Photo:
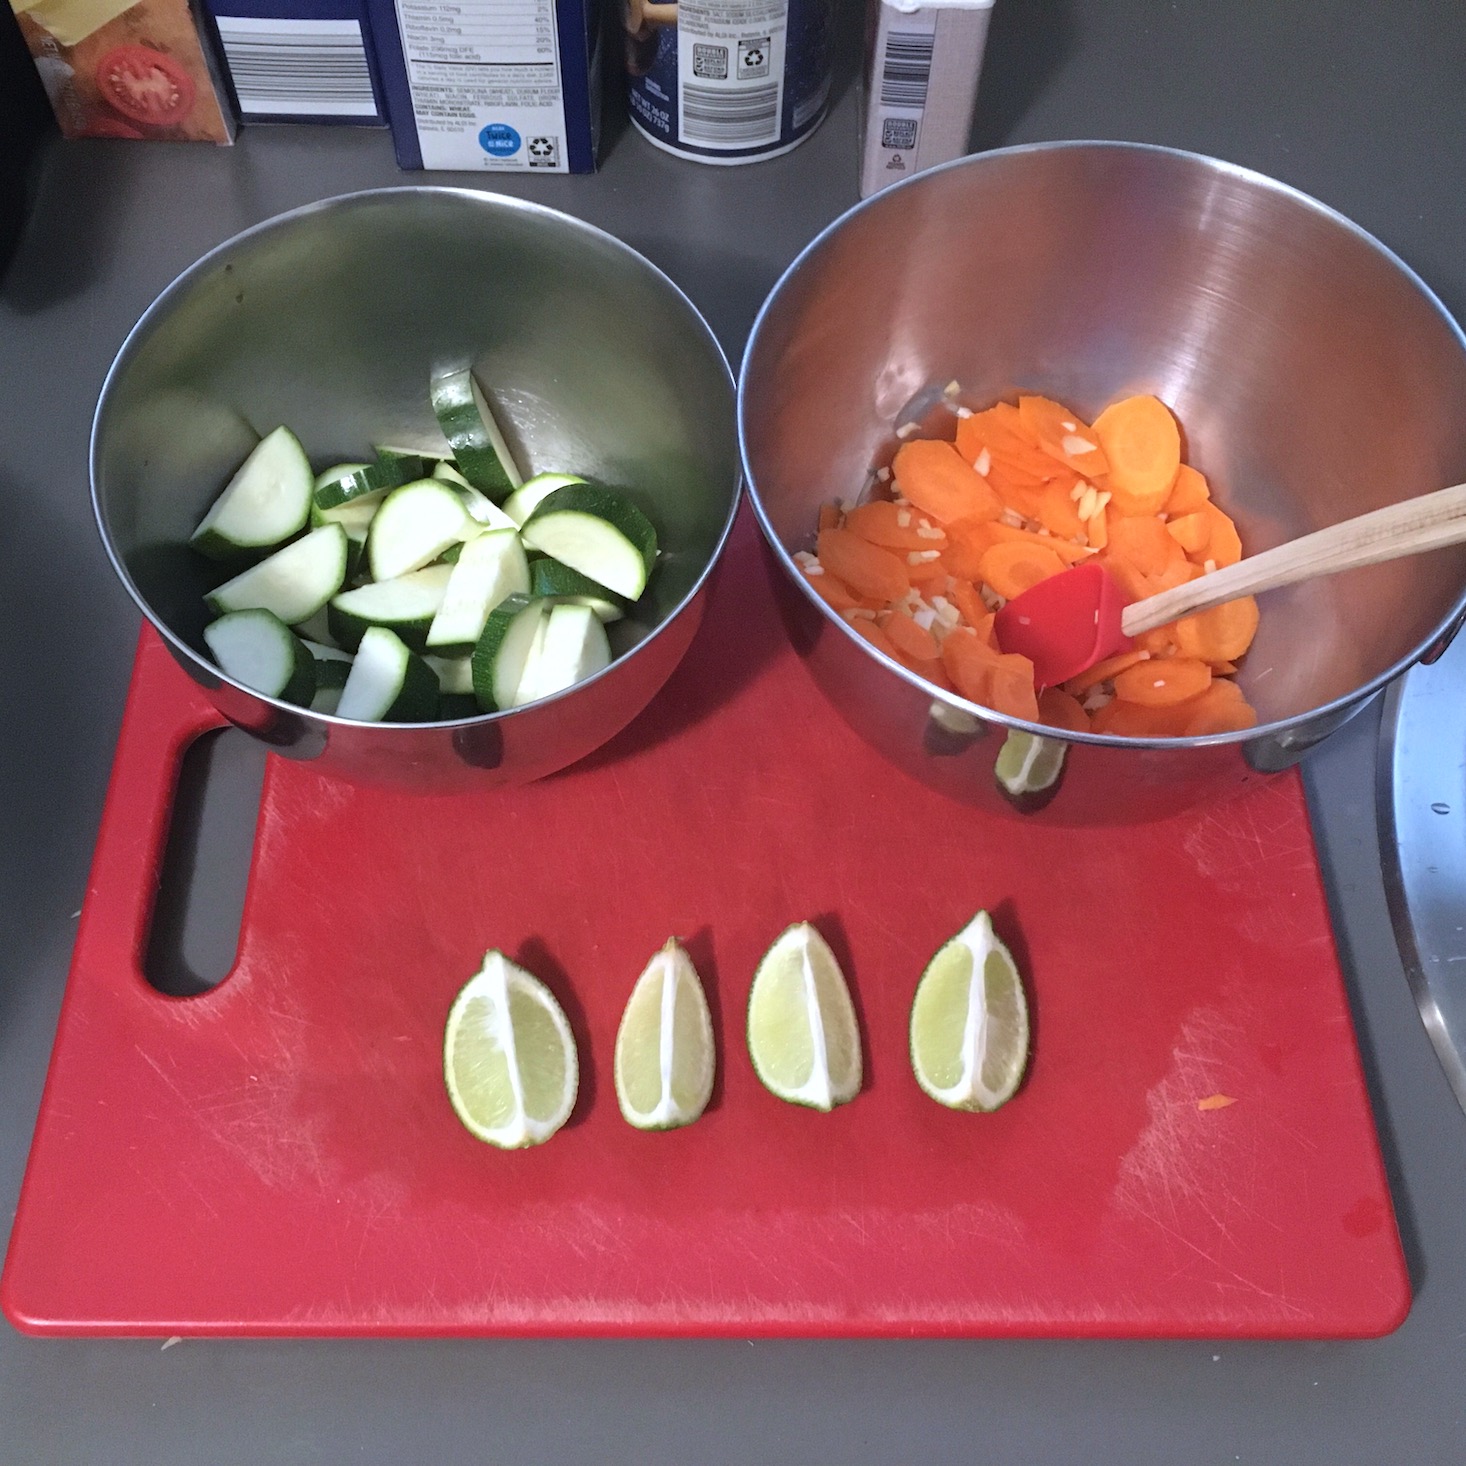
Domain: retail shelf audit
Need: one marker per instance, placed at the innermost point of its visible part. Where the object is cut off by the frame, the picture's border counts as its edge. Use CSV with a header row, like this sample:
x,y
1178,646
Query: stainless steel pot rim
x,y
1443,630
235,242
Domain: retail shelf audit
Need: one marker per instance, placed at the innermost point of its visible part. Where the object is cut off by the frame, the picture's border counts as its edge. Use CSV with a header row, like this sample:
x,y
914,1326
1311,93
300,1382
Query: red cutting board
x,y
278,1156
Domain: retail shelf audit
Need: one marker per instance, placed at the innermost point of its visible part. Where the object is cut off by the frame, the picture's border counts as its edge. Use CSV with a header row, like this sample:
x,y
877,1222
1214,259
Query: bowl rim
x,y
1343,706
478,198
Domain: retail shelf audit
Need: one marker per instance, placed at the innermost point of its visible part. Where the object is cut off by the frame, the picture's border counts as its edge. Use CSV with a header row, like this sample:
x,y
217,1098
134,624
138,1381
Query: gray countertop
x,y
1362,106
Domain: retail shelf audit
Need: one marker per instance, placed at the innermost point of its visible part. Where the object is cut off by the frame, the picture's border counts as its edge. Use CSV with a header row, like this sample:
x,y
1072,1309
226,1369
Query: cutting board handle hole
x,y
202,877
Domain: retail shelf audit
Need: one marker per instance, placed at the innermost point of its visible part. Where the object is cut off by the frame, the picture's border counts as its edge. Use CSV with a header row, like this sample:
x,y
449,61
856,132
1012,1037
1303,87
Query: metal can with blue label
x,y
728,81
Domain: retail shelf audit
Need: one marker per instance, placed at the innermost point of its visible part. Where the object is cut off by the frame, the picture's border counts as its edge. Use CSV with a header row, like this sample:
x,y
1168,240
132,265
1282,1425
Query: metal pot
x,y
331,319
1314,374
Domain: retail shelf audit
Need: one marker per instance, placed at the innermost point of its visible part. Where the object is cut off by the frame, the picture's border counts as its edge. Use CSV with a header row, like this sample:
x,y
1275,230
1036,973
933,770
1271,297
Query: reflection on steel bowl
x,y
1316,375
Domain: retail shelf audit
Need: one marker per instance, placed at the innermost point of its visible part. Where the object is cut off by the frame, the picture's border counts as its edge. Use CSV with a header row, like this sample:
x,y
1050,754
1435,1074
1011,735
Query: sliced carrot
x,y
1097,528
1224,545
1004,435
1191,531
1010,688
1221,634
875,636
1143,445
866,568
829,516
1222,708
969,663
1062,435
894,528
1133,582
1145,543
970,441
985,632
911,639
935,477
1223,669
1059,710
1103,671
1010,569
1056,509
1137,720
1163,682
964,595
832,590
924,574
1188,493
1160,642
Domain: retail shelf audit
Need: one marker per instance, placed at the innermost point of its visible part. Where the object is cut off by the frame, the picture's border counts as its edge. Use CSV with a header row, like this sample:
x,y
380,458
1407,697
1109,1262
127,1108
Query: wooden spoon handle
x,y
1428,522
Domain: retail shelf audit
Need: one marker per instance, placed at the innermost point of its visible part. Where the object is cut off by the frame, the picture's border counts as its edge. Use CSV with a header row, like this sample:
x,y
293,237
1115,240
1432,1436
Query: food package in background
x,y
111,69
491,86
921,69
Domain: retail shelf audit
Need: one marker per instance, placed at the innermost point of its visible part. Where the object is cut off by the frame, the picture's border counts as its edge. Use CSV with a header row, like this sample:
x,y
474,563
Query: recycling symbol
x,y
753,57
541,147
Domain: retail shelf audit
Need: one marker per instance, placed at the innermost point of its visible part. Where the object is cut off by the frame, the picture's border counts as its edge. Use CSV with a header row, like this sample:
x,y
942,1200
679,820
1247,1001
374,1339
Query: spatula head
x,y
1065,624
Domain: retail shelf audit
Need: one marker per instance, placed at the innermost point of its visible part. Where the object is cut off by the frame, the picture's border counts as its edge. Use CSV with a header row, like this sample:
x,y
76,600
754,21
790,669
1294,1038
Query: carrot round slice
x,y
1189,493
894,528
969,662
1221,634
866,568
1010,569
910,638
1010,688
1160,683
1222,708
1063,434
1103,671
1145,543
832,590
875,636
969,603
1059,710
935,477
1139,720
1191,531
1143,446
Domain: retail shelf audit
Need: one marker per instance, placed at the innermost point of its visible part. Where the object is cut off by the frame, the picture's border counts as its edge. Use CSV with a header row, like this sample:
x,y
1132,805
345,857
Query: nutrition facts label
x,y
485,82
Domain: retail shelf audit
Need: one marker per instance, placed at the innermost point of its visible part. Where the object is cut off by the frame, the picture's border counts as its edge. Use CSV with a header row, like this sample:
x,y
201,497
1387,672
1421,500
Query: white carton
x,y
921,69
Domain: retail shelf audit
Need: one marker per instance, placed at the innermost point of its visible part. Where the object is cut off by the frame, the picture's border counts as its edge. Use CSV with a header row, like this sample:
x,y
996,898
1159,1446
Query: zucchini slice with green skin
x,y
257,648
332,670
345,482
557,582
572,648
490,568
597,532
533,491
406,605
294,582
388,683
414,525
481,509
468,423
502,651
266,502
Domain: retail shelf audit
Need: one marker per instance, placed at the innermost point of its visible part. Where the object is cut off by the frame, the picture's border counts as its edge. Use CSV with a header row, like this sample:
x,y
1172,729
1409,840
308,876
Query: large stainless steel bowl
x,y
331,319
1315,376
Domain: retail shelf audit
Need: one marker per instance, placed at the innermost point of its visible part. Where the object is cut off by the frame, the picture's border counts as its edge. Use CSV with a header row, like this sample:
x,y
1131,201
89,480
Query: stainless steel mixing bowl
x,y
331,319
1315,377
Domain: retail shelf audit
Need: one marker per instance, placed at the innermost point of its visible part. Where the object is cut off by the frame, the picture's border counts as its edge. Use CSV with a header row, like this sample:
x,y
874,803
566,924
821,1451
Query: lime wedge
x,y
509,1057
1028,763
969,1022
664,1046
803,1036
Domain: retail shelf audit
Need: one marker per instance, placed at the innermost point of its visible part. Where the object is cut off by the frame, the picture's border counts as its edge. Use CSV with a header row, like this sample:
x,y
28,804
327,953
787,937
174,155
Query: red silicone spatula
x,y
1065,624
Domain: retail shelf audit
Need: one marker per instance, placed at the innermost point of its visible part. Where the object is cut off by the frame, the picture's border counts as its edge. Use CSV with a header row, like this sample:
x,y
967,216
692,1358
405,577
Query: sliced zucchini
x,y
468,423
348,481
491,567
503,649
572,648
482,510
257,648
388,683
316,630
598,532
406,605
415,524
533,491
266,502
454,674
332,670
294,582
559,582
